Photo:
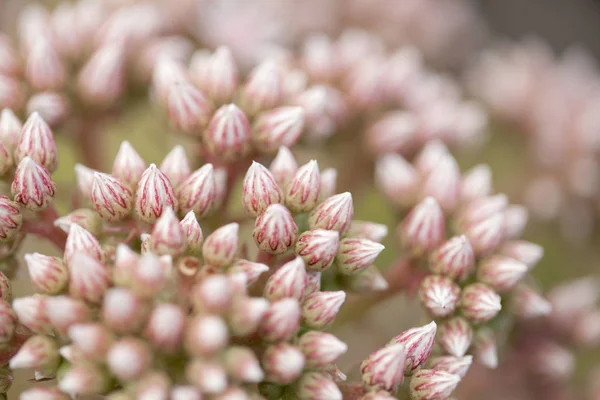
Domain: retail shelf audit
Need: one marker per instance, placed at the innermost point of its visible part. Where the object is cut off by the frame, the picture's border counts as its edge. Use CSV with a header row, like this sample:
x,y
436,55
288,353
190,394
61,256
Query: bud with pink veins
x,y
11,219
129,358
259,190
423,229
220,247
515,220
527,303
455,336
111,199
32,313
188,110
228,134
218,75
168,236
205,335
320,348
242,365
397,179
176,166
49,275
53,107
453,365
283,363
318,248
154,193
476,183
212,295
418,344
44,69
39,352
128,166
149,276
8,323
101,81
320,308
122,311
80,240
443,183
264,88
439,295
302,191
368,230
65,311
281,321
479,303
275,230
246,314
384,369
486,235
501,273
92,339
313,282
37,142
480,209
334,214
44,393
88,278
284,166
252,270
429,384
454,258
198,192
166,73
281,126
355,255
288,281
317,386
10,129
526,252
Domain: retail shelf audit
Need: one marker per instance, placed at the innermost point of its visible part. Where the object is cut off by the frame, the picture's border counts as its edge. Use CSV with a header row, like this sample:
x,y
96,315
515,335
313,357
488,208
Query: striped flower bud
x,y
355,255
313,282
84,217
320,308
368,230
208,376
334,214
49,275
188,110
252,270
150,275
278,127
32,313
485,236
281,320
527,303
241,364
44,69
370,280
39,352
85,379
205,335
92,339
53,107
168,236
439,295
128,166
321,349
482,209
455,336
476,183
212,295
154,193
32,186
454,258
37,142
424,227
284,166
429,384
88,278
81,241
264,88
288,281
318,248
129,358
418,344
228,134
10,129
101,81
259,190
112,199
246,314
192,233
8,322
283,363
176,166
317,386
479,303
275,230
220,247
453,365
165,327
218,75
65,311
198,191
11,219
526,252
429,157
384,369
501,273
302,191
443,183
122,311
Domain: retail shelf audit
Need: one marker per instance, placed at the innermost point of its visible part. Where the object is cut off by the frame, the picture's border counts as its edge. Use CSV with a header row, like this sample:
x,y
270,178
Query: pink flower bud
x,y
92,339
287,281
85,178
485,236
279,127
153,384
275,230
515,220
423,229
455,336
242,365
481,209
501,273
212,295
302,191
37,142
81,241
205,335
10,129
476,183
165,327
384,369
453,365
11,219
320,308
128,166
48,274
85,379
259,190
185,393
321,349
368,230
168,236
101,81
429,157
251,269
526,252
527,303
150,275
439,295
318,248
123,311
394,132
246,314
64,311
154,193
8,322
112,199
198,192
284,166
218,75
479,303
228,134
319,58
313,282
32,186
45,70
209,377
443,183
484,348
334,214
84,217
264,88
283,363
281,320
429,384
88,278
39,352
454,258
220,247
129,358
397,179
355,255
167,72
188,110
53,107
418,344
31,312
370,280
317,386
176,166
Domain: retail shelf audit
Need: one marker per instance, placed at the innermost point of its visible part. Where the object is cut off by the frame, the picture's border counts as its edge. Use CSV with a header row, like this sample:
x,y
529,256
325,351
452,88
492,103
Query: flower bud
x,y
394,132
476,183
368,230
85,379
88,278
515,220
11,219
439,295
246,314
484,348
64,311
501,273
320,308
84,177
283,363
209,377
128,166
454,258
370,280
84,217
263,89
45,70
302,191
485,236
318,248
321,349
259,190
479,303
275,230
168,236
453,365
49,275
181,392
112,199
526,252
242,365
317,386
443,183
8,322
527,303
218,75
81,241
205,335
397,179
281,320
165,327
123,311
284,166
212,295
384,369
188,110
53,107
32,186
430,156
423,229
251,269
418,344
129,358
39,352
192,233
228,134
355,255
334,214
154,193
278,127
31,312
10,129
198,192
92,339
429,384
220,247
176,166
101,81
288,281
150,275
455,336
